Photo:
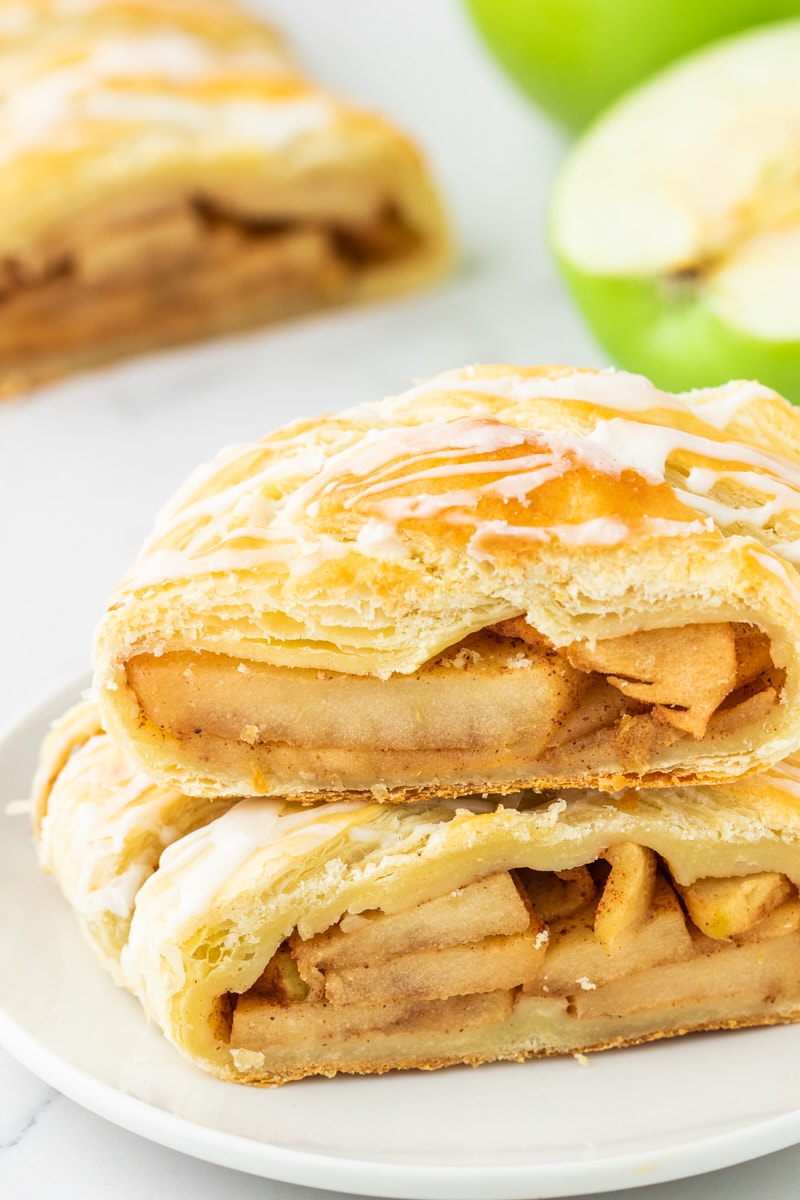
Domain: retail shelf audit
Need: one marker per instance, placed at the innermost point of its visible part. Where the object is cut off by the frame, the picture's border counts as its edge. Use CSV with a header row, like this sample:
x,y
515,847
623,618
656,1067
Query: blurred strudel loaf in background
x,y
168,174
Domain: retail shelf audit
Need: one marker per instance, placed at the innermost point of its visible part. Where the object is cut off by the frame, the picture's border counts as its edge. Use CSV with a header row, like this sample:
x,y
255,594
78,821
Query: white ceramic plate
x,y
549,1128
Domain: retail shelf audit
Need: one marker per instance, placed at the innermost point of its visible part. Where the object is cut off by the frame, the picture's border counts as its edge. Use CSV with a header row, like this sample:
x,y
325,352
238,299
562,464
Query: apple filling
x,y
605,953
182,270
501,708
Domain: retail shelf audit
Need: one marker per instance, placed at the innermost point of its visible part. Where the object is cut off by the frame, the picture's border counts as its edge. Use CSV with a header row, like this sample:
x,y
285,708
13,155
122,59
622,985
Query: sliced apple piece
x,y
490,906
723,908
280,982
576,961
746,710
677,218
753,653
754,973
464,697
782,920
558,894
627,896
317,1027
685,672
601,709
486,966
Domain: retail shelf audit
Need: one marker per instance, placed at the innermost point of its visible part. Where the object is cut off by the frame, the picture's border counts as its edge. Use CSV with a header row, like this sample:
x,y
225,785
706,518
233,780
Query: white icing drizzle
x,y
464,444
274,516
778,568
197,531
107,800
104,829
147,71
110,815
613,389
618,390
380,539
198,866
600,531
725,402
266,124
116,897
386,459
648,447
380,452
783,499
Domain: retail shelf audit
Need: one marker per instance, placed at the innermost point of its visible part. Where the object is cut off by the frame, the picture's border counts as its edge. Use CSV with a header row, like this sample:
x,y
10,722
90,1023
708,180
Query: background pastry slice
x,y
203,185
506,577
277,941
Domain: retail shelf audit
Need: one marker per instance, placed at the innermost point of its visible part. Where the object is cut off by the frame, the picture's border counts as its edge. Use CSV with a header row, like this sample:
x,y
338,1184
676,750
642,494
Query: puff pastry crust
x,y
507,577
203,184
277,941
101,825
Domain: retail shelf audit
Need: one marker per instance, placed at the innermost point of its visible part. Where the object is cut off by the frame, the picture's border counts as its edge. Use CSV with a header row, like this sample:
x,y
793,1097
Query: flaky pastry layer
x,y
349,556
101,826
277,941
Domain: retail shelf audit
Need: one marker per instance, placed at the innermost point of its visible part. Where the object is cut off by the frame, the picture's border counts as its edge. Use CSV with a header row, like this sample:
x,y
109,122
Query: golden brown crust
x,y
591,506
100,826
65,737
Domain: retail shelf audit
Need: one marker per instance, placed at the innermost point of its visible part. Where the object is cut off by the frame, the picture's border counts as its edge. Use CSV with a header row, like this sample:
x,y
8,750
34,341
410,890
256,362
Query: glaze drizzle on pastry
x,y
369,544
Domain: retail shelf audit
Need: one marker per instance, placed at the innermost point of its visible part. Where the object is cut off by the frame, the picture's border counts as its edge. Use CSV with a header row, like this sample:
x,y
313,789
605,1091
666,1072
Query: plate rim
x,y
361,1176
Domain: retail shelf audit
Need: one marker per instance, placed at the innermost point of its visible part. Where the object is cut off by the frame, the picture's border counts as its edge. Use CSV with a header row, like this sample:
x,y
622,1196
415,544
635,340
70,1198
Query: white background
x,y
84,466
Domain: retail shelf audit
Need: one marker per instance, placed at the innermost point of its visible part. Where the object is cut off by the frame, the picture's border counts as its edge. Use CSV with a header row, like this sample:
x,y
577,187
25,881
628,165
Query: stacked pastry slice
x,y
203,184
279,940
445,730
505,578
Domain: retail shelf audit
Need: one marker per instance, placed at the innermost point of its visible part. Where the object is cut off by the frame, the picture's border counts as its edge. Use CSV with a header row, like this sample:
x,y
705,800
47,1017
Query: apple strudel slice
x,y
278,941
508,577
203,185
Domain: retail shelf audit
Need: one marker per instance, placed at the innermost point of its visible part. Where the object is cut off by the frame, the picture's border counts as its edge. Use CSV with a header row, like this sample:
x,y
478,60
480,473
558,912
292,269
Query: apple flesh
x,y
676,219
573,57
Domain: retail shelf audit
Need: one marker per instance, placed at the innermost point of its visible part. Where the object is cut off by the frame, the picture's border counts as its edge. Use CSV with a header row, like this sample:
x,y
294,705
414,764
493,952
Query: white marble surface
x,y
83,467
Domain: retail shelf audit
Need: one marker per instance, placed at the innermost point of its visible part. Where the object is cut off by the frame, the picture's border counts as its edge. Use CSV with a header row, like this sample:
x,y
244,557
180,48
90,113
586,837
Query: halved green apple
x,y
573,57
676,219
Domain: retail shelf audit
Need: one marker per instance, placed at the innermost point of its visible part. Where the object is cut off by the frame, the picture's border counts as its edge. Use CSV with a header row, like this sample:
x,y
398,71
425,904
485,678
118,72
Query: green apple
x,y
676,218
573,57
